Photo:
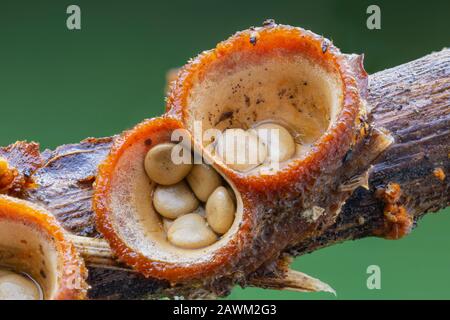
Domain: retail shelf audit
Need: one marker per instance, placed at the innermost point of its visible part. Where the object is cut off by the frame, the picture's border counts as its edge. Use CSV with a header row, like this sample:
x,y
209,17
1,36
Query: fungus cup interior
x,y
127,217
274,81
29,246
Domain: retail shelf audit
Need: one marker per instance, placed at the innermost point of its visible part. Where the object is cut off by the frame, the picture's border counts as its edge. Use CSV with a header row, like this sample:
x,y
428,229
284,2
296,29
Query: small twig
x,y
293,281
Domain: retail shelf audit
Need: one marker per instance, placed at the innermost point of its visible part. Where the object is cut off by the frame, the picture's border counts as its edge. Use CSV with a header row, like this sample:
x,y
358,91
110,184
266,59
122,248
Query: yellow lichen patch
x,y
439,173
397,221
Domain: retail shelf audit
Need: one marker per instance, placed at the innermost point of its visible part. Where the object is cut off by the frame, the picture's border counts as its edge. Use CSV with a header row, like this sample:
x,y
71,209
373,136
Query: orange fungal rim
x,y
172,272
19,210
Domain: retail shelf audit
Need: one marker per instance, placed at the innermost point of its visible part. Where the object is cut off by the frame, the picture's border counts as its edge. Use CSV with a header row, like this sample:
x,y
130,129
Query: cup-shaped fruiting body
x,y
37,261
305,101
162,230
293,87
293,104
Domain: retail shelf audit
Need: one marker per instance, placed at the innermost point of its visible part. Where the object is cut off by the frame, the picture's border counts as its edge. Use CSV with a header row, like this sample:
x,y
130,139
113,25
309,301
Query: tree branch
x,y
412,101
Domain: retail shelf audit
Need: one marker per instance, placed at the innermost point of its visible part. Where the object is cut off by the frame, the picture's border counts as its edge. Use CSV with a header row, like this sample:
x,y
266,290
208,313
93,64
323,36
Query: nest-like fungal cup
x,y
33,244
128,219
275,74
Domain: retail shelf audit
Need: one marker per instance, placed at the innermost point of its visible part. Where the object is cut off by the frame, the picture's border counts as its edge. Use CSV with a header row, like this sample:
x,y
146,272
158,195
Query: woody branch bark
x,y
412,101
409,179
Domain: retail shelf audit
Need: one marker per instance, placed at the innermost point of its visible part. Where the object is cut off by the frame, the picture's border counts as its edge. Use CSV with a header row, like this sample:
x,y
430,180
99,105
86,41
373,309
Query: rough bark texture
x,y
412,101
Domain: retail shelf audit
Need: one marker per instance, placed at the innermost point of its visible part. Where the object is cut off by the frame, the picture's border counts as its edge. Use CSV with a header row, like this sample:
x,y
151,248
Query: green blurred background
x,y
59,86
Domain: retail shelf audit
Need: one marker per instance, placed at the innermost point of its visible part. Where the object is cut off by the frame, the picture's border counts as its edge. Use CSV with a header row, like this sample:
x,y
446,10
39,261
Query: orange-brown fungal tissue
x,y
7,175
34,247
274,77
397,222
